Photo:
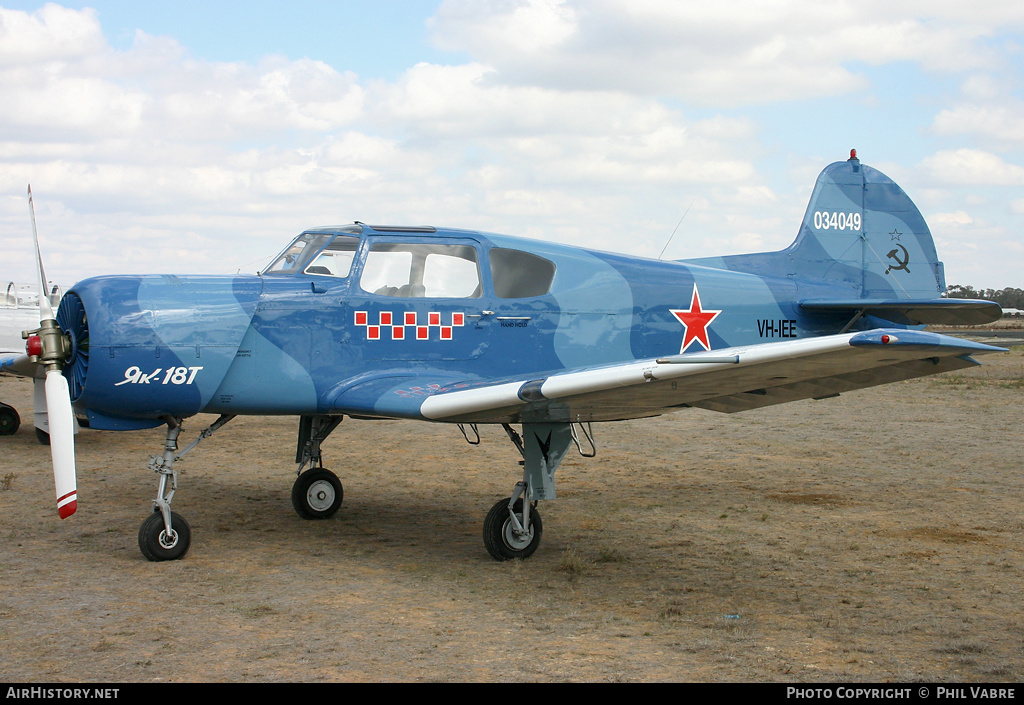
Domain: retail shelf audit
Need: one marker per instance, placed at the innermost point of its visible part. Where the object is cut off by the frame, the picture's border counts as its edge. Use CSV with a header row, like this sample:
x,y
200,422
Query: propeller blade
x,y
62,442
45,310
60,417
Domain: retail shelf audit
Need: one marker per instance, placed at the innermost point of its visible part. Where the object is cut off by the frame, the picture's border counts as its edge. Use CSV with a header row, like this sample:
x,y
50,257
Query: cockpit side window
x,y
336,259
434,270
520,275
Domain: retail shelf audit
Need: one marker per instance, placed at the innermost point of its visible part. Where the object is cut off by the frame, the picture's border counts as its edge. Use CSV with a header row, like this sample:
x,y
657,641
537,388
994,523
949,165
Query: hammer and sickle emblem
x,y
901,264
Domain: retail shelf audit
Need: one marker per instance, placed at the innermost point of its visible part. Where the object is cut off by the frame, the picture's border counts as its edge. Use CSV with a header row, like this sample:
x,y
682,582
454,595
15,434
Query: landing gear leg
x,y
165,535
513,527
317,492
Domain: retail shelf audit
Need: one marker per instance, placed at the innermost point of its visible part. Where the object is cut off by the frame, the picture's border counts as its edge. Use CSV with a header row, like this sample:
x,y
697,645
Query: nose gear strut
x,y
165,535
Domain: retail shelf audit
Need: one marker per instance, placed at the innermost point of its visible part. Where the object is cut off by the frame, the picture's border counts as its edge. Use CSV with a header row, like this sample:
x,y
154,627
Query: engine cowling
x,y
144,347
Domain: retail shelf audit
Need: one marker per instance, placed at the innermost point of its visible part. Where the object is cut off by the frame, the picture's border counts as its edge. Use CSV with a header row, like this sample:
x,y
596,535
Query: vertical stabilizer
x,y
861,234
861,230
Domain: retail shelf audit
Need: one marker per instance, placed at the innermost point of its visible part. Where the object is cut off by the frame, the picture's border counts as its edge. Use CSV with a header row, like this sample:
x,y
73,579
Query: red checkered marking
x,y
386,325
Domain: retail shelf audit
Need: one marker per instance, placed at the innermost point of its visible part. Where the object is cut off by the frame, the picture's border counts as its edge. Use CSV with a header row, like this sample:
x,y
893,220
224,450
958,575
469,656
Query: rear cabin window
x,y
421,270
520,275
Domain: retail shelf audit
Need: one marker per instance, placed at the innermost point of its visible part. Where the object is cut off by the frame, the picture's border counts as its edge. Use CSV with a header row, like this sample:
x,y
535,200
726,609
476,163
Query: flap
x,y
914,312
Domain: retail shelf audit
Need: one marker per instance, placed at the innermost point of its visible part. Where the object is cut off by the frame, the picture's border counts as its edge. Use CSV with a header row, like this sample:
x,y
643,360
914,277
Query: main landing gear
x,y
10,420
317,492
511,533
513,527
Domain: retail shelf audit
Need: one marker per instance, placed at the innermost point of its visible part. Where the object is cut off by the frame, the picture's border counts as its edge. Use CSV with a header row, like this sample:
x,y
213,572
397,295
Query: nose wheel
x,y
159,544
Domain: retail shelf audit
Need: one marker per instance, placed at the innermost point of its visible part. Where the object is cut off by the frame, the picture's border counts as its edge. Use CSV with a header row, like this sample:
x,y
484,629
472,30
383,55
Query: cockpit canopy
x,y
403,263
318,252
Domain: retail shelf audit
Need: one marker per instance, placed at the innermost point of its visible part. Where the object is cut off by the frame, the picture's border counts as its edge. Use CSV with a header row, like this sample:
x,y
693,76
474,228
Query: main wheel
x,y
317,494
502,542
157,545
9,420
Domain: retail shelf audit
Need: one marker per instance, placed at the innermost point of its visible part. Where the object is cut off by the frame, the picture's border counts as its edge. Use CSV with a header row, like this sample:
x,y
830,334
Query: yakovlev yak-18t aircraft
x,y
471,328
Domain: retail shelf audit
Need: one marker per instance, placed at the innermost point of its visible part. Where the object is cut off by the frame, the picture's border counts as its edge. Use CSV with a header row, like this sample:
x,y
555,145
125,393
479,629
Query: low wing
x,y
729,380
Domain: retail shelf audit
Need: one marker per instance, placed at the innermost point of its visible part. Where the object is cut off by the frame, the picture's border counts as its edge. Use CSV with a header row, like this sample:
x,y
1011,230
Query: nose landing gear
x,y
165,535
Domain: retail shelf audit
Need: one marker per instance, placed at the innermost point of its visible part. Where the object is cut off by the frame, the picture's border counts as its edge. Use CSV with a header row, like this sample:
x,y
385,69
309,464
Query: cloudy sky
x,y
199,137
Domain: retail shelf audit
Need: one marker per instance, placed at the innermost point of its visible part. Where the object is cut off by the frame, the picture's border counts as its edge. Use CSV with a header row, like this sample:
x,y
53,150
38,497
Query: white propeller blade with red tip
x,y
60,417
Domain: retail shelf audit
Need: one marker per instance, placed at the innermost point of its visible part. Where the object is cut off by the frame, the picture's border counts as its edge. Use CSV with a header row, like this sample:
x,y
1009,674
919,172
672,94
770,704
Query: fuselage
x,y
343,305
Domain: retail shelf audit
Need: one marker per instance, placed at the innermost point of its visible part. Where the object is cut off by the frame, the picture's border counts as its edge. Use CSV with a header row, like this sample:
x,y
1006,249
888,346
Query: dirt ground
x,y
873,537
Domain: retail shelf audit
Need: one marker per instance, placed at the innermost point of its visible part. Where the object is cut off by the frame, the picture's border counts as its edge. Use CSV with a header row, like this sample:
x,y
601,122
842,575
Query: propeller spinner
x,y
49,346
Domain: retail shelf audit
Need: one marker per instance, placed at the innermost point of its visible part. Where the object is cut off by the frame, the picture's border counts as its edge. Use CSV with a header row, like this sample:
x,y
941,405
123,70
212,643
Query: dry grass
x,y
873,537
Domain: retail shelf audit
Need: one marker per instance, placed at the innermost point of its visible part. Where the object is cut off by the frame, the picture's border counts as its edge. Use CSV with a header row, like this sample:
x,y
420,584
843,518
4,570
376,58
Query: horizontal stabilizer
x,y
914,312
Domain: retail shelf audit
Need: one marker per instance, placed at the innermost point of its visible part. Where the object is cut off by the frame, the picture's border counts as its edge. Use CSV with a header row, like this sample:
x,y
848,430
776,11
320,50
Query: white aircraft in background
x,y
19,311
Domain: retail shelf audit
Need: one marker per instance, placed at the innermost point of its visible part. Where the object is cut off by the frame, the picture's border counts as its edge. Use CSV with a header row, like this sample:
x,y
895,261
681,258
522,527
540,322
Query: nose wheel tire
x,y
501,537
157,545
317,494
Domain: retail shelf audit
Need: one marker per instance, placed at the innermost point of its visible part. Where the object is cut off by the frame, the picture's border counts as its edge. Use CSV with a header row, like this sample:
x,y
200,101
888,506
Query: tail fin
x,y
862,230
860,233
865,240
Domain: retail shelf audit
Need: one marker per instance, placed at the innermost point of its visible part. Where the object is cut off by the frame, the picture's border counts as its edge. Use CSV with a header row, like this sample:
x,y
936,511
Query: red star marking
x,y
695,321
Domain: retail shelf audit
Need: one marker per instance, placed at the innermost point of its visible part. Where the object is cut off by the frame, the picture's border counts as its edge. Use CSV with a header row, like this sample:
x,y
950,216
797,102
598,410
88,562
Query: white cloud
x,y
994,122
65,83
721,54
956,218
520,27
584,122
974,167
54,33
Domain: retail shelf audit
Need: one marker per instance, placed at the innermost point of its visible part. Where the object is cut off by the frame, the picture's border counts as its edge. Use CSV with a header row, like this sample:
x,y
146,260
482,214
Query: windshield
x,y
299,254
336,259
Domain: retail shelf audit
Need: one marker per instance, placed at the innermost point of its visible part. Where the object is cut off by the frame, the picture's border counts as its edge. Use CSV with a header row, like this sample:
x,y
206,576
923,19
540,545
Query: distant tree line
x,y
1007,298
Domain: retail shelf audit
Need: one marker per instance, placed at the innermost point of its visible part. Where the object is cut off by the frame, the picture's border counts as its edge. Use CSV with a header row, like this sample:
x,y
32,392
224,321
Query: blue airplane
x,y
470,328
